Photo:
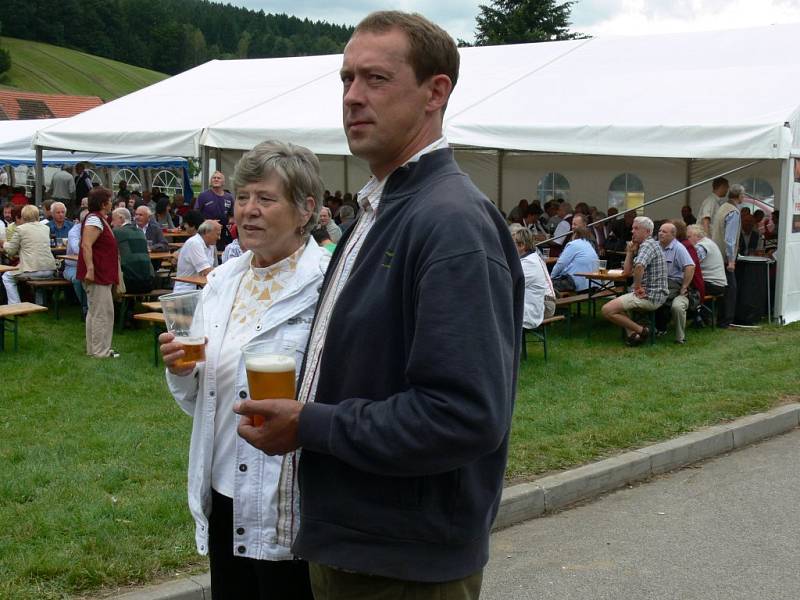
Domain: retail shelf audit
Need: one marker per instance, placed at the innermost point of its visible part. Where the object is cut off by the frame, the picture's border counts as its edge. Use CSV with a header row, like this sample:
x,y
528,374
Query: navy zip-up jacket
x,y
404,449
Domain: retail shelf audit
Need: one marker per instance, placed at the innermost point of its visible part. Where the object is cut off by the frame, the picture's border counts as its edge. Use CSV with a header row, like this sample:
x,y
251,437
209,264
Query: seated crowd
x,y
674,266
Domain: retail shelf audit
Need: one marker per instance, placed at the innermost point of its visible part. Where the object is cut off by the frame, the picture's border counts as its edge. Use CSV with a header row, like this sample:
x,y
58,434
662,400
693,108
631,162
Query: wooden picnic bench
x,y
539,334
125,299
9,315
51,287
156,319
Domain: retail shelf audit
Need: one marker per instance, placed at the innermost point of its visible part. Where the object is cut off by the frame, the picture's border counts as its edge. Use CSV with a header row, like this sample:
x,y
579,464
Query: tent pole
x,y
665,196
784,229
346,169
39,177
686,199
500,156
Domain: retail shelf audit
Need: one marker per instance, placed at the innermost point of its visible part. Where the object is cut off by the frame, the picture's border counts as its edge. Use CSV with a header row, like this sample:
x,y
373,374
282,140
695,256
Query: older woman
x,y
98,268
31,241
245,503
540,297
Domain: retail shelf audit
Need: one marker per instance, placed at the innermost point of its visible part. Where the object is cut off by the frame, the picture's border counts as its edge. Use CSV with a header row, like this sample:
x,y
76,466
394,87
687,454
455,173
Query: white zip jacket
x,y
256,489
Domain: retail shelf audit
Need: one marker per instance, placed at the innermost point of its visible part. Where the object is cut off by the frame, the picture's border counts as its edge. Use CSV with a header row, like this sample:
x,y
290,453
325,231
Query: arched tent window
x,y
553,186
129,177
626,192
760,189
96,179
167,182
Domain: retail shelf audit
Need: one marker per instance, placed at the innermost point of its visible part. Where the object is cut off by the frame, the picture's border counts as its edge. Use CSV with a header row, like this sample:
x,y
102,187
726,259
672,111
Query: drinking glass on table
x,y
183,315
601,266
270,366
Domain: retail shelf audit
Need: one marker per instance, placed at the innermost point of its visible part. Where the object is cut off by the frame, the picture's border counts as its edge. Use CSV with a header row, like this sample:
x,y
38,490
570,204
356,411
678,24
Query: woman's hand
x,y
171,353
89,277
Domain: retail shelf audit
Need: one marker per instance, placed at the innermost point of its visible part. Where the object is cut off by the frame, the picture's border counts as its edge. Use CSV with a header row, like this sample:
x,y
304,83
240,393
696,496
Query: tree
x,y
5,59
523,21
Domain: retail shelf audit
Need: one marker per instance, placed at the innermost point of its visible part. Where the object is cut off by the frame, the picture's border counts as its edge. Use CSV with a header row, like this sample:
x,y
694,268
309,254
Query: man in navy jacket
x,y
408,384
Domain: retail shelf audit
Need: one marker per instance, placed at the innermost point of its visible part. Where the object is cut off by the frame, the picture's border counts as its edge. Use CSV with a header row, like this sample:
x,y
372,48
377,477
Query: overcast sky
x,y
595,17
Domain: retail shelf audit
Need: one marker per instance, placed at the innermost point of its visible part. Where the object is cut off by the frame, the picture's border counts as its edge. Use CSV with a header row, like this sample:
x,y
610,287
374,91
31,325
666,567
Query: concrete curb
x,y
555,492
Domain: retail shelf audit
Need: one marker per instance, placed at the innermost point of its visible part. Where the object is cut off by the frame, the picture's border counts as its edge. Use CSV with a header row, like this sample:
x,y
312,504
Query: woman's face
x,y
268,222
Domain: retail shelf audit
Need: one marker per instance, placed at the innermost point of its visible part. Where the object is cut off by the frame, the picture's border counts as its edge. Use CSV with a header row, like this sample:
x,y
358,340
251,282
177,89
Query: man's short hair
x,y
645,222
193,218
147,208
207,227
30,213
346,212
718,181
47,204
431,49
696,230
296,167
320,234
57,204
736,191
122,213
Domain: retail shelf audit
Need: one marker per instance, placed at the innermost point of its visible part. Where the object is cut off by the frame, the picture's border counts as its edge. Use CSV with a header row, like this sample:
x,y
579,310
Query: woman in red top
x,y
98,268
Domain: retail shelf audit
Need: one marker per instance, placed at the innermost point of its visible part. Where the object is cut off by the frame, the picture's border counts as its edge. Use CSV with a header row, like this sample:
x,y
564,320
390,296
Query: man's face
x,y
142,216
639,233
685,212
747,223
59,214
217,180
722,190
666,233
383,105
324,216
578,221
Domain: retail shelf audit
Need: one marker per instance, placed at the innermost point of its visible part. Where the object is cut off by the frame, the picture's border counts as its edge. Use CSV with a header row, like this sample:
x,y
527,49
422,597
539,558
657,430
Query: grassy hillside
x,y
37,67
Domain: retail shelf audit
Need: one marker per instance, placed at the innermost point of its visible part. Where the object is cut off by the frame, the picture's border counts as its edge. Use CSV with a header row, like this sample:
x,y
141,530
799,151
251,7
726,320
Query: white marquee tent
x,y
669,109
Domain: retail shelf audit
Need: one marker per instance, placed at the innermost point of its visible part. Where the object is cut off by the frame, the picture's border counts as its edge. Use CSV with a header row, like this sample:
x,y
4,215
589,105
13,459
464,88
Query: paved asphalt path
x,y
727,529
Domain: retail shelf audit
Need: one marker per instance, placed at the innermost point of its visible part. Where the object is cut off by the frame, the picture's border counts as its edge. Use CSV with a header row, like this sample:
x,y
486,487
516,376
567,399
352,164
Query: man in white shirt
x,y
198,255
712,202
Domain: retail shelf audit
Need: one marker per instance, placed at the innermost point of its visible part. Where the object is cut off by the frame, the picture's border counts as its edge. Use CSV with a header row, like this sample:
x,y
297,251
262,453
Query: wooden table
x,y
160,255
176,245
152,306
70,257
13,312
195,279
177,234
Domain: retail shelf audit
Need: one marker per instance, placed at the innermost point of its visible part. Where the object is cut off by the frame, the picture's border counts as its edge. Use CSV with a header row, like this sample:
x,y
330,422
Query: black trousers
x,y
240,578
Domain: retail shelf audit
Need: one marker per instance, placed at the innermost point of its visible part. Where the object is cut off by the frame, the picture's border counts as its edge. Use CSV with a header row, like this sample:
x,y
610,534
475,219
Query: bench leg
x,y
524,350
123,308
2,334
544,341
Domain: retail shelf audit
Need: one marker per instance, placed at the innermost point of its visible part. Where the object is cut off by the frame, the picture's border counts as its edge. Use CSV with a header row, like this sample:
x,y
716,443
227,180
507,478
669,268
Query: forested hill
x,y
168,35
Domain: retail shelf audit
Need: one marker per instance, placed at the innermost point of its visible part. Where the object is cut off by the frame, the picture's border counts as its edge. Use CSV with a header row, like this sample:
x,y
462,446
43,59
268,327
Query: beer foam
x,y
191,341
270,363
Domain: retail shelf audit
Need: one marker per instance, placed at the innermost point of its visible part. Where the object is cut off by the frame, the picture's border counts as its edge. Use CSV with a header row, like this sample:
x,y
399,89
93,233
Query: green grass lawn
x,y
48,69
93,453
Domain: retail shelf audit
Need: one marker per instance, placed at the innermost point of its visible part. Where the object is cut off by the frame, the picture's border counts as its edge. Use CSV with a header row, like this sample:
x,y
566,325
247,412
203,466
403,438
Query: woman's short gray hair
x,y
122,213
524,237
297,168
645,222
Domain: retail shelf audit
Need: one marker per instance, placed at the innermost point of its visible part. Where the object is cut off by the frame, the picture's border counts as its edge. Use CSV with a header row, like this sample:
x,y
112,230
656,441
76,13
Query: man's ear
x,y
439,88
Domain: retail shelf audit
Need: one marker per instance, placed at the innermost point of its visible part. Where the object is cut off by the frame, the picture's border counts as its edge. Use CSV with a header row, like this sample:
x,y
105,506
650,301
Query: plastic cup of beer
x,y
270,367
183,315
601,266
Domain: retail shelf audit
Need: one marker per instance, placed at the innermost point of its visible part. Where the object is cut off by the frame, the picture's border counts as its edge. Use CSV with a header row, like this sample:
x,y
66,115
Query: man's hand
x,y
278,433
640,291
731,266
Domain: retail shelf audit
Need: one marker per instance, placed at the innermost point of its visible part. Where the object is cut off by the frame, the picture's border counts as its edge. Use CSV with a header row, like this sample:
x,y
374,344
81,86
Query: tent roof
x,y
16,150
690,95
